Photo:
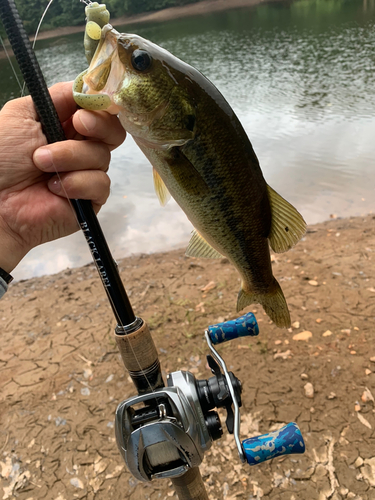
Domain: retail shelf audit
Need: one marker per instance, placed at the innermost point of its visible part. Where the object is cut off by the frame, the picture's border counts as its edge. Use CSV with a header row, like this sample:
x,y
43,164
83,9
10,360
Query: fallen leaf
x,y
282,355
367,396
100,466
363,421
199,307
302,335
210,286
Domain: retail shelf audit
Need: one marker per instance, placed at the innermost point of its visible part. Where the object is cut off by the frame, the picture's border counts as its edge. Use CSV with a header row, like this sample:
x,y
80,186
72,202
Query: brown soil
x,y
61,378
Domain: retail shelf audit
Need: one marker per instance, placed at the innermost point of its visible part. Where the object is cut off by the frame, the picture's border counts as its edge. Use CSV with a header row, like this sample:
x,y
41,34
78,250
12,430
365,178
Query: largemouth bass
x,y
201,155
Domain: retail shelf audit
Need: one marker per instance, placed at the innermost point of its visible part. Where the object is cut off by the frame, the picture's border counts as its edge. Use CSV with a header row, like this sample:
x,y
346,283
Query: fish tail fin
x,y
273,302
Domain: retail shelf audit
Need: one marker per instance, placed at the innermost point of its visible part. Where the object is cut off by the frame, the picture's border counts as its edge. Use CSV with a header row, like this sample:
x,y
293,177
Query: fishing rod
x,y
132,334
164,431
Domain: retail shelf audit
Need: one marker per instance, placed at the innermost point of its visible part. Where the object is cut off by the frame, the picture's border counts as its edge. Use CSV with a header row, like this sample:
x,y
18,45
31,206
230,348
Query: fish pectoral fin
x,y
287,226
185,174
160,188
273,303
198,247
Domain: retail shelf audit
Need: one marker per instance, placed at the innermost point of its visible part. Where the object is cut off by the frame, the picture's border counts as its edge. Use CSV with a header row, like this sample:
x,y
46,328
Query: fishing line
x,y
40,22
11,65
35,38
82,209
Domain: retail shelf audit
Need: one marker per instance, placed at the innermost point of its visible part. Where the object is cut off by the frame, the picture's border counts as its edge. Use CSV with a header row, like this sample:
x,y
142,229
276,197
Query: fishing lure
x,y
97,16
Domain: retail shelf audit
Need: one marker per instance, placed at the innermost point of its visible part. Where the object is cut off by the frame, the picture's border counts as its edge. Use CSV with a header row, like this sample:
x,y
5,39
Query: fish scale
x,y
201,155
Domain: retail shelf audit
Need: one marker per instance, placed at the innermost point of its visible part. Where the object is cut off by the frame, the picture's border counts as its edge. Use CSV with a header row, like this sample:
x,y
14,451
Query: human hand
x,y
34,207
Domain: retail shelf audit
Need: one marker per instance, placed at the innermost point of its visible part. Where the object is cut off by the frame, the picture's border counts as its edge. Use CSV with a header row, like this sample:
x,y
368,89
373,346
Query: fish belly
x,y
232,219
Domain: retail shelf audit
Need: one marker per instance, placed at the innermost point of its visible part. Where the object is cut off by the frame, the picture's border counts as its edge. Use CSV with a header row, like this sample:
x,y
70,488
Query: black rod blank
x,y
54,132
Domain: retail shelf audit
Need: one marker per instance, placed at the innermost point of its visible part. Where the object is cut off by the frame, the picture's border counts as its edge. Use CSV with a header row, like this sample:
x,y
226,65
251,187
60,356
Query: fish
x,y
201,156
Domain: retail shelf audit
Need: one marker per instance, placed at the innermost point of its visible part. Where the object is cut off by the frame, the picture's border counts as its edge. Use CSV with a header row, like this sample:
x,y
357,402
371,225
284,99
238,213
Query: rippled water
x,y
301,78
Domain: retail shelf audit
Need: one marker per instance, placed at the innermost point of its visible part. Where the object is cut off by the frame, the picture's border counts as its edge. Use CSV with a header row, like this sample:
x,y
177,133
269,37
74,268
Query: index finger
x,y
100,126
62,97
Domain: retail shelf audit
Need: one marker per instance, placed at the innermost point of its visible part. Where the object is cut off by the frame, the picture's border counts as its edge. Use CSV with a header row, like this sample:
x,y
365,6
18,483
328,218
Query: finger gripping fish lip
x,y
92,102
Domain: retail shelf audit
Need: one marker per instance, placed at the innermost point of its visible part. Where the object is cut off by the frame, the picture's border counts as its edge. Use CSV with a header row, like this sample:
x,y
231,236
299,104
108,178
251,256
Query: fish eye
x,y
141,60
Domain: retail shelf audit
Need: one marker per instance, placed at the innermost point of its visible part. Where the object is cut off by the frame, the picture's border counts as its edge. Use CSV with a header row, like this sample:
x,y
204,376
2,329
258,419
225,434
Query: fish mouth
x,y
94,88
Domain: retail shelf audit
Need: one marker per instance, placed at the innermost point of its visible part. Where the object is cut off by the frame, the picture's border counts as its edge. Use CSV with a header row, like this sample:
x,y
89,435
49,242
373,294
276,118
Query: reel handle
x,y
285,441
244,326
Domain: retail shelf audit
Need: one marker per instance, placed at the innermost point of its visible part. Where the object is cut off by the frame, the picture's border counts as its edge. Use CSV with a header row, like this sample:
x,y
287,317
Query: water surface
x,y
301,78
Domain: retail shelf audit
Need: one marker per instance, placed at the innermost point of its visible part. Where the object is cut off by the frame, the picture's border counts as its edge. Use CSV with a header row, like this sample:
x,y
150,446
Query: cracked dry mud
x,y
61,378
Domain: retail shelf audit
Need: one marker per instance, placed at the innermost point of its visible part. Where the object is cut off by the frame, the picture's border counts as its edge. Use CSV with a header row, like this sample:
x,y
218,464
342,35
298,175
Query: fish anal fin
x,y
160,188
198,247
287,226
273,303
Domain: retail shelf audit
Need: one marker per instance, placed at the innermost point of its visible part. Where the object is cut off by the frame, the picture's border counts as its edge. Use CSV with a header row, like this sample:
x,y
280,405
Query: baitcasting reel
x,y
166,432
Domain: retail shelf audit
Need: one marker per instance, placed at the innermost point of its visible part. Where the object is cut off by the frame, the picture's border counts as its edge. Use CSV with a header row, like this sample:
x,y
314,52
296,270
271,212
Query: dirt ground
x,y
61,377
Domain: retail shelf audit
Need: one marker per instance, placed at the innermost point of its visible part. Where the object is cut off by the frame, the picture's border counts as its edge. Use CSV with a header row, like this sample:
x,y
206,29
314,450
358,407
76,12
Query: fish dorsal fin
x,y
160,188
198,247
287,226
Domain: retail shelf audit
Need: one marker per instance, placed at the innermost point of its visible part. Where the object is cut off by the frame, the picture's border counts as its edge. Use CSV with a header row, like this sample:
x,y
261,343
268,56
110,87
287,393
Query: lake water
x,y
301,78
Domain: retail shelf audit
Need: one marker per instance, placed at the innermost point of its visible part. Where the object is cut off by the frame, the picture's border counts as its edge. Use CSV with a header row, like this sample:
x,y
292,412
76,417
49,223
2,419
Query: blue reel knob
x,y
244,326
285,441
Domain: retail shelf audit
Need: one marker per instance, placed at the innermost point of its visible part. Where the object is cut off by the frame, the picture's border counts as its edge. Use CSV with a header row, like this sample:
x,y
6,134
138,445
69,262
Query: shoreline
x,y
343,222
61,377
194,9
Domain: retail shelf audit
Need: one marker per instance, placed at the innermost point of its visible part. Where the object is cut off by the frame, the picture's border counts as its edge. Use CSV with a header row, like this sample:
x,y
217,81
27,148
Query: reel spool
x,y
166,432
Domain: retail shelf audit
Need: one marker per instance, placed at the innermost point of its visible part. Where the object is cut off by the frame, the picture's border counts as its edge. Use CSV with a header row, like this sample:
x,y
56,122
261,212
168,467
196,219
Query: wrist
x,y
8,261
11,252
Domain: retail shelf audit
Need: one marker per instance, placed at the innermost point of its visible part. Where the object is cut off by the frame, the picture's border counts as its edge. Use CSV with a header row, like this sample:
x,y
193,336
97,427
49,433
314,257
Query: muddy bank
x,y
61,378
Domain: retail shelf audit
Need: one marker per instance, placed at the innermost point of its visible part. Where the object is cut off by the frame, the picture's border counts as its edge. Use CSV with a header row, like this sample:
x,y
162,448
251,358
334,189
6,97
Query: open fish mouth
x,y
93,88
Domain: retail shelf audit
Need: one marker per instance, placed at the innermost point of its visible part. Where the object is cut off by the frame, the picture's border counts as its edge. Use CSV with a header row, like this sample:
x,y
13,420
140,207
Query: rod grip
x,y
190,486
140,358
244,326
